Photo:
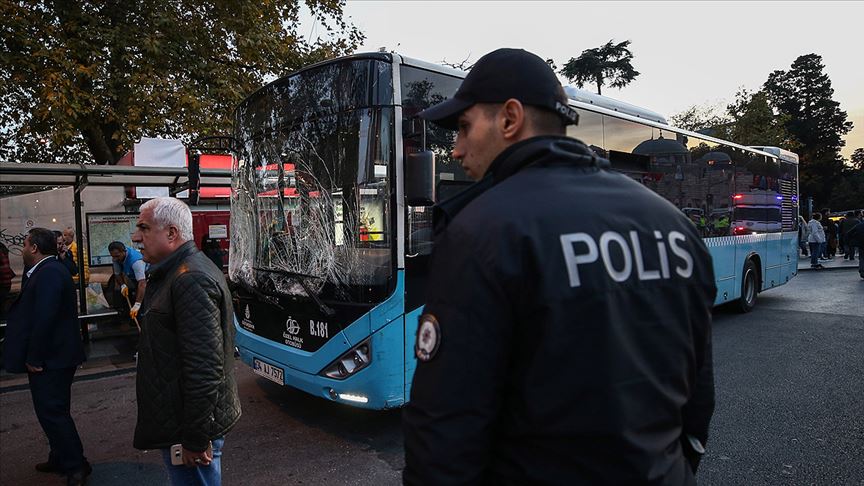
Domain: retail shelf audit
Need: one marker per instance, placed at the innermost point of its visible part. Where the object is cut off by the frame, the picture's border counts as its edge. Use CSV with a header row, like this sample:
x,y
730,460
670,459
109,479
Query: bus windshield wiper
x,y
260,295
301,279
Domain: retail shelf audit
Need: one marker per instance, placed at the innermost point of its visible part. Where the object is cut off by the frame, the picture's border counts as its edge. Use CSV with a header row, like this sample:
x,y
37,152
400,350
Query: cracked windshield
x,y
313,193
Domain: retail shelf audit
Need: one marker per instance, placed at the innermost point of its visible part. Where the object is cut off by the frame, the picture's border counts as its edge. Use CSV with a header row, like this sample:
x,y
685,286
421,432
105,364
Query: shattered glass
x,y
311,196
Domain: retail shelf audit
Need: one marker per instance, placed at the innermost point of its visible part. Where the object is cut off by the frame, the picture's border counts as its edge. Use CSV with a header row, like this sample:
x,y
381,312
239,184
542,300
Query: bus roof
x,y
778,152
590,98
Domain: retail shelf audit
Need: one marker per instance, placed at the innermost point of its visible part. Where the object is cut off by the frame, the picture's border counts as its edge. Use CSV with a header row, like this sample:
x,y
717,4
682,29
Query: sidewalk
x,y
837,263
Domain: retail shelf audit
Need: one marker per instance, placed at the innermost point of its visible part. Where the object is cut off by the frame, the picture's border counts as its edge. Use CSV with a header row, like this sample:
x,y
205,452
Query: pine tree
x,y
607,62
803,94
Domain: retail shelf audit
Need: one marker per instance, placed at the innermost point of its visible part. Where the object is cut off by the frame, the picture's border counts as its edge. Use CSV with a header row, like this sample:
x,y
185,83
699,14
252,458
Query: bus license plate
x,y
272,373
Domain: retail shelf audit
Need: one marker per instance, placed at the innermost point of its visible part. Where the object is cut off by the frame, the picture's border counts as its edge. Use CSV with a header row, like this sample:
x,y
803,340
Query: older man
x,y
44,340
187,396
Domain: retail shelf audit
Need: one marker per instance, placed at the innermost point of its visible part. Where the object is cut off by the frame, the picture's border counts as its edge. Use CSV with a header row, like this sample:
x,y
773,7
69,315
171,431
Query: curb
x,y
842,267
88,377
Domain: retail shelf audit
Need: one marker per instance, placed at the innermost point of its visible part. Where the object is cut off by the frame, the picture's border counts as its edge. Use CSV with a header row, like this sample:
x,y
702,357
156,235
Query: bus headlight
x,y
351,362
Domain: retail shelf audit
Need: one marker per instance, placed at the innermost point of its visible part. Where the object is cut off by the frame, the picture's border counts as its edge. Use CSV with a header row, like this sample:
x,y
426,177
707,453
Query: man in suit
x,y
43,339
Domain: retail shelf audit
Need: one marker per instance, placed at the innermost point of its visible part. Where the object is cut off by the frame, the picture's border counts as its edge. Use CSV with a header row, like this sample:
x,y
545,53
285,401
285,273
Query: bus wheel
x,y
749,288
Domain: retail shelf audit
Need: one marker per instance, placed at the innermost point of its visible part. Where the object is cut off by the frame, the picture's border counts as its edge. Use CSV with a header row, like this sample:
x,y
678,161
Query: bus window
x,y
623,135
712,166
589,131
757,200
420,90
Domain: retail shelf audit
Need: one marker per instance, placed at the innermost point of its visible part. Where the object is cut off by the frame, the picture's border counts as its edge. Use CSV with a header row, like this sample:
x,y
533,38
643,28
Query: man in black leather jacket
x,y
186,390
566,336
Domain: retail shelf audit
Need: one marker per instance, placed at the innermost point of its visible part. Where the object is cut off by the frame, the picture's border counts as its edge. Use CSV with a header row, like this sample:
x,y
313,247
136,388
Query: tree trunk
x,y
95,140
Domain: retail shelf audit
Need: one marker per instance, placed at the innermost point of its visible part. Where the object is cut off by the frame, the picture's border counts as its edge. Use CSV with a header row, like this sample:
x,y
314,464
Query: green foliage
x,y
609,61
753,122
803,94
700,118
848,193
81,81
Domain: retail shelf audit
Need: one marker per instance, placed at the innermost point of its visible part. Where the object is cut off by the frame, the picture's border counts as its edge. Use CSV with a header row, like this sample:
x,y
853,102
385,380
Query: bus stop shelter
x,y
80,176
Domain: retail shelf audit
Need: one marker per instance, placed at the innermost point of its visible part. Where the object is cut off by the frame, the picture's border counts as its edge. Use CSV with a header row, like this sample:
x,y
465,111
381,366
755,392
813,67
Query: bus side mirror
x,y
420,178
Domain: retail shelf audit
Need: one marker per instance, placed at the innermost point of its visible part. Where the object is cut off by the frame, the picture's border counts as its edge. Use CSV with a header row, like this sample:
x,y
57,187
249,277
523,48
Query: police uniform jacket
x,y
573,311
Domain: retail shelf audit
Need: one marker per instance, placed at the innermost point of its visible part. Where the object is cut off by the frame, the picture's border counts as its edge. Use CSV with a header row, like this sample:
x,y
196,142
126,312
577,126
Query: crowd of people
x,y
823,239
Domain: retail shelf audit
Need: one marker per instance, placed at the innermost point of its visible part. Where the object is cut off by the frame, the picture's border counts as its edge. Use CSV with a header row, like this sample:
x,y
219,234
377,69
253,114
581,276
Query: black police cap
x,y
499,76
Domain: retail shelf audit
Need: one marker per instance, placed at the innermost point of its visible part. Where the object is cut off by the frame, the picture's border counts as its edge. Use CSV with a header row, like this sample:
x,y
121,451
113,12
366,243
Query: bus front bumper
x,y
378,386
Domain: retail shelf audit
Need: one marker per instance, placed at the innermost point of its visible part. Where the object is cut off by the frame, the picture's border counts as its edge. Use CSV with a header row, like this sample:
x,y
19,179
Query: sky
x,y
688,53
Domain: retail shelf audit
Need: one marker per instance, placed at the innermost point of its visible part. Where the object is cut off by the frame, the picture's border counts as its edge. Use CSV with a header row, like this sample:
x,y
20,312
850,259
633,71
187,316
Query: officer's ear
x,y
511,119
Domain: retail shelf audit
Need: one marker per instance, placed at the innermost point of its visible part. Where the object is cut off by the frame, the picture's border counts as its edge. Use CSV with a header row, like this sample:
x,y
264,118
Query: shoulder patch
x,y
428,338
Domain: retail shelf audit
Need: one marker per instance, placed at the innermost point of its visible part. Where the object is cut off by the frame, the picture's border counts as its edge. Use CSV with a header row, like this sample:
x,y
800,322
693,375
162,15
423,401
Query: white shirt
x,y
33,268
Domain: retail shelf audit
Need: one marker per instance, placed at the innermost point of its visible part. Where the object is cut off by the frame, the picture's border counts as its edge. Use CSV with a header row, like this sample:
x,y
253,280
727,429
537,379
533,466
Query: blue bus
x,y
331,232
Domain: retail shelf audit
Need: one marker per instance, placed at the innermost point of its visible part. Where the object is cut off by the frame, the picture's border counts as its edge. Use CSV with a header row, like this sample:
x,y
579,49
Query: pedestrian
x,y
803,233
816,239
64,255
6,276
830,246
855,236
187,395
43,339
210,247
129,274
848,223
69,239
567,332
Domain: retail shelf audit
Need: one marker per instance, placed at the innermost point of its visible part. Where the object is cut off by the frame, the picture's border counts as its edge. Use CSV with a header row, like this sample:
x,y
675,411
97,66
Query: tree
x,y
753,122
609,61
81,81
849,191
699,118
803,94
857,159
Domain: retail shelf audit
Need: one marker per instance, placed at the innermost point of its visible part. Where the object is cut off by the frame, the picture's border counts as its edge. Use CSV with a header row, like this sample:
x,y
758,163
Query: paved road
x,y
284,437
790,382
790,386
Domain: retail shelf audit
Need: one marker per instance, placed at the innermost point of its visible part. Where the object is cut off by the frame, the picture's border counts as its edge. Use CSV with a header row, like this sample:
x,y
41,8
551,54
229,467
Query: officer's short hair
x,y
544,122
44,240
116,246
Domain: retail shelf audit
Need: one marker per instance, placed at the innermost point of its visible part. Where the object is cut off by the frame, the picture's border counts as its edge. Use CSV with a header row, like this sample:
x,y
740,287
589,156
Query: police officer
x,y
567,333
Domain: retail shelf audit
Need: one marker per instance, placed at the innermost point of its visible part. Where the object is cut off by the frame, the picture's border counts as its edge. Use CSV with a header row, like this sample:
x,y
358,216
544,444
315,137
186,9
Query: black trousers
x,y
51,391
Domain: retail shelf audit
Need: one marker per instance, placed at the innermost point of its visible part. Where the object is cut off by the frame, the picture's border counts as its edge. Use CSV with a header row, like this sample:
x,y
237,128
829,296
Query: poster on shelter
x,y
103,228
